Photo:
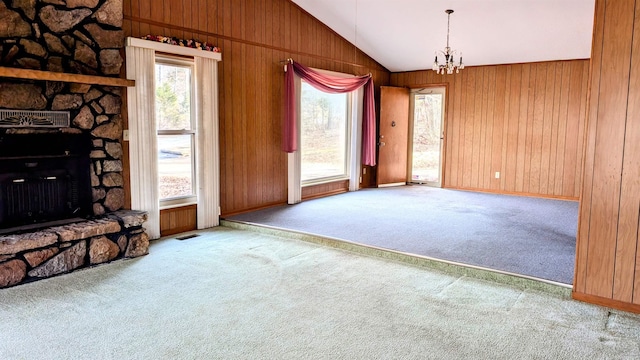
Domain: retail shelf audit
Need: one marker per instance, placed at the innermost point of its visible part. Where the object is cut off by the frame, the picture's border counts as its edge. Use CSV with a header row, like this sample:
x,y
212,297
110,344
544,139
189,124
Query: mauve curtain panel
x,y
332,85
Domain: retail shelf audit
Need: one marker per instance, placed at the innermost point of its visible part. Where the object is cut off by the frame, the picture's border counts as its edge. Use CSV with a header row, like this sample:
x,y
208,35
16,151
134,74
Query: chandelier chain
x,y
448,25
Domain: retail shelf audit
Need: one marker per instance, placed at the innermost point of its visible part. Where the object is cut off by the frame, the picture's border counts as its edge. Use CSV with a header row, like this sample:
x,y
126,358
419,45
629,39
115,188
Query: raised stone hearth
x,y
61,249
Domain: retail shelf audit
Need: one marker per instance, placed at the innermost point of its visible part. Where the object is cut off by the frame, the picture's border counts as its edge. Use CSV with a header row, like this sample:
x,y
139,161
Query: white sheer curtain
x,y
294,159
207,151
356,141
143,145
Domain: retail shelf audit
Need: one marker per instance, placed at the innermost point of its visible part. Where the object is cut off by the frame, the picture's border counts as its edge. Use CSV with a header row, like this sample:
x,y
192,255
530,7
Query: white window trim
x,y
354,155
348,141
185,200
140,65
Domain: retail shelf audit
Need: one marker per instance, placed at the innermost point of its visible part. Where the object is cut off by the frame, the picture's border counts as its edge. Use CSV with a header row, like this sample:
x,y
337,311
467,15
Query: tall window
x,y
325,128
175,114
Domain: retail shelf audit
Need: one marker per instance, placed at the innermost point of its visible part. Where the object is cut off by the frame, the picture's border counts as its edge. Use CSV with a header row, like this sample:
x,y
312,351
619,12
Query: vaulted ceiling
x,y
403,35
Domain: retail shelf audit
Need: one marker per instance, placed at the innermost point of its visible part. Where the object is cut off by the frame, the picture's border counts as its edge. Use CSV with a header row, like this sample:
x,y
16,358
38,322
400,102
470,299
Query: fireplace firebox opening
x,y
44,178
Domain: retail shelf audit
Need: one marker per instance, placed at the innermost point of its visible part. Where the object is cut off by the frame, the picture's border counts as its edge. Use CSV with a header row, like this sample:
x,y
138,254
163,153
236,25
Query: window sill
x,y
177,205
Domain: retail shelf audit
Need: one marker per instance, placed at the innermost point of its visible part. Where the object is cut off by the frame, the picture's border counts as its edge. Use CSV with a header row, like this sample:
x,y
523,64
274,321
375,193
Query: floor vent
x,y
185,237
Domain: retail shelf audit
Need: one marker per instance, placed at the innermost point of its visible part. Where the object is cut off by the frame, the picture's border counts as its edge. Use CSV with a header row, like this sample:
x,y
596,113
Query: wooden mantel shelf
x,y
64,77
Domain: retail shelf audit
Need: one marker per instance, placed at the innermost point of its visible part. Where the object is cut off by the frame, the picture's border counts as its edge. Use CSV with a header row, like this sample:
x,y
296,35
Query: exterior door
x,y
427,136
393,138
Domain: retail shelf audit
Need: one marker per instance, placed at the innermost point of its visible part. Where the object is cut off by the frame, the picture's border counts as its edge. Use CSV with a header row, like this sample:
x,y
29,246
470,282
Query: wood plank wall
x,y
177,220
525,121
254,35
607,260
332,188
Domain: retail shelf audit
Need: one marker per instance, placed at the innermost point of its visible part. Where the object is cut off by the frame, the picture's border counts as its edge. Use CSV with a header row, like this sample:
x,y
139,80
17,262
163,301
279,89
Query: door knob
x,y
381,143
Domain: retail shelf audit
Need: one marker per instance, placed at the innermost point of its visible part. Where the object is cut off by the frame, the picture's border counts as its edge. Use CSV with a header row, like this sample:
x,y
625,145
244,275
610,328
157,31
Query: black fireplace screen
x,y
43,177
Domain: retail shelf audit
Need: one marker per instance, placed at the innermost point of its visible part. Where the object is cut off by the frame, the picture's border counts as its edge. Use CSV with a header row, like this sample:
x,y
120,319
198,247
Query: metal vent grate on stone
x,y
34,118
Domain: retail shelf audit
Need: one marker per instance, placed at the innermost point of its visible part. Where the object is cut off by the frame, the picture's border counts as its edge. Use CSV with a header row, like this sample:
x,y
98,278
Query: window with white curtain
x,y
173,130
176,129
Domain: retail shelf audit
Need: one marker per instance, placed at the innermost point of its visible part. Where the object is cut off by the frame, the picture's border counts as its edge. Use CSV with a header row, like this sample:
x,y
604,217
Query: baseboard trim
x,y
514,193
178,230
392,184
606,302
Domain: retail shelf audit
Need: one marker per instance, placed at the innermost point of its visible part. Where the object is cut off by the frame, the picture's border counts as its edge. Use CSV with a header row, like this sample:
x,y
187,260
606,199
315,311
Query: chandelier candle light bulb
x,y
448,67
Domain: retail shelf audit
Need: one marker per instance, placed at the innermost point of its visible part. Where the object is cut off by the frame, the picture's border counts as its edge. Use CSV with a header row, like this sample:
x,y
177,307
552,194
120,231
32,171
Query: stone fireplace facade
x,y
82,37
72,37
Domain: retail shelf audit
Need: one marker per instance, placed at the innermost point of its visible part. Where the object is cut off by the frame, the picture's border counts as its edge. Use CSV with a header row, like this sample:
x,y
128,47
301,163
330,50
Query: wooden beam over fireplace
x,y
17,73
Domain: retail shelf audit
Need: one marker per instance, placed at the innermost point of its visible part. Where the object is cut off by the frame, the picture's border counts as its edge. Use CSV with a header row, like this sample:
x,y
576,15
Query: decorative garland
x,y
181,42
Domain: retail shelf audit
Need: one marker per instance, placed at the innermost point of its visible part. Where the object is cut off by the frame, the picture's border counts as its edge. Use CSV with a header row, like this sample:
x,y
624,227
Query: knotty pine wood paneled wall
x,y
525,121
177,220
333,188
254,35
608,251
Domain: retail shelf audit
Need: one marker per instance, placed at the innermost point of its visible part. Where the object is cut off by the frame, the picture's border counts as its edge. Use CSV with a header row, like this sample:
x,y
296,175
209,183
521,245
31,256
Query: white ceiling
x,y
403,35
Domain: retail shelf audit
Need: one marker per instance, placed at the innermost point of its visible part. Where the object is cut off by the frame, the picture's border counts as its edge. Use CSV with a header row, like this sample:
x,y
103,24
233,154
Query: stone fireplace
x,y
63,37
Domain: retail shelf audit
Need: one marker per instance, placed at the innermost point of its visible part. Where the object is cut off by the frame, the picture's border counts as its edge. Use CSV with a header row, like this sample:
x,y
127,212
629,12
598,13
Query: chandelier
x,y
448,66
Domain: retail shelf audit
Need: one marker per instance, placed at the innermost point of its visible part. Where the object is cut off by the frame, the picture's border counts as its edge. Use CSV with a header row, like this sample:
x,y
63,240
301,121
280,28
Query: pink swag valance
x,y
333,85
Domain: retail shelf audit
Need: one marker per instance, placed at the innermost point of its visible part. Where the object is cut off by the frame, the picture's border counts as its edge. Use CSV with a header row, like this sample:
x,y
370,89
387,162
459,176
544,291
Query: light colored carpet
x,y
231,294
